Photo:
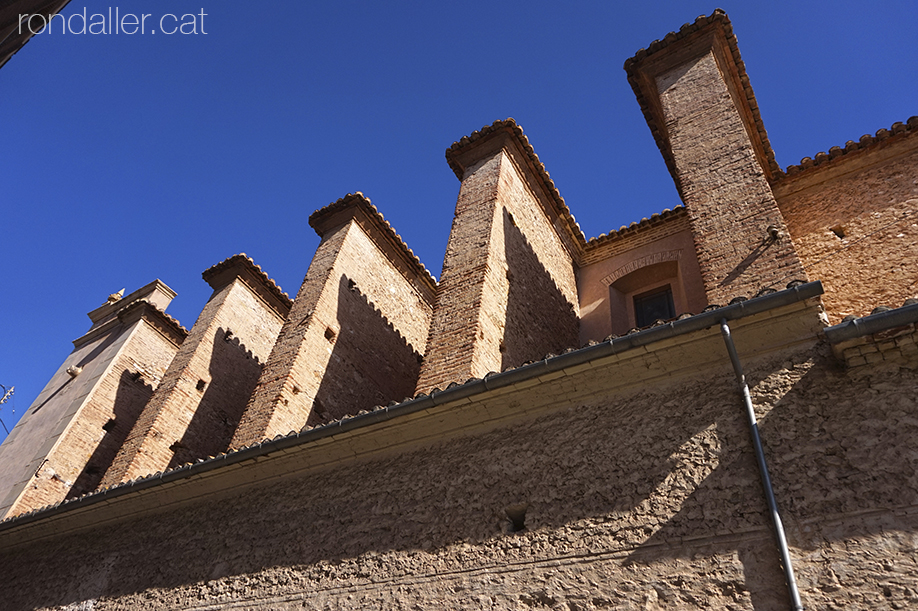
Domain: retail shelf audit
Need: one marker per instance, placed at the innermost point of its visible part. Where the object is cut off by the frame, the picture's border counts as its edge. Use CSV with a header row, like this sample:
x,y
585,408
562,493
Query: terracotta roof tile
x,y
247,262
332,423
363,202
883,319
173,321
645,223
811,289
898,130
158,316
513,128
715,19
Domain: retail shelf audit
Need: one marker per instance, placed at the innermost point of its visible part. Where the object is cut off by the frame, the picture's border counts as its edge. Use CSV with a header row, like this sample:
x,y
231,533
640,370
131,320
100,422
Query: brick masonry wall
x,y
353,340
196,409
855,227
629,240
89,443
288,360
893,347
722,184
508,290
647,498
451,346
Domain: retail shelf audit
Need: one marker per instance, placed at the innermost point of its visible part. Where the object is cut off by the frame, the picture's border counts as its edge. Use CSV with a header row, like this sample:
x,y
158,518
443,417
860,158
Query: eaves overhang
x,y
879,322
455,395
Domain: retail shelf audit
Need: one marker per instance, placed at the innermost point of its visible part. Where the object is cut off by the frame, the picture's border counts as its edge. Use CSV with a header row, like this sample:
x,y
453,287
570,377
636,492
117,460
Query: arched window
x,y
646,294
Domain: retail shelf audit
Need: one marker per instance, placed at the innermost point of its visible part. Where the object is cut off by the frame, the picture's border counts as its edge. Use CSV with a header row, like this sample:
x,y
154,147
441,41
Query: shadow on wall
x,y
598,461
643,473
751,258
835,448
130,398
234,371
371,363
539,319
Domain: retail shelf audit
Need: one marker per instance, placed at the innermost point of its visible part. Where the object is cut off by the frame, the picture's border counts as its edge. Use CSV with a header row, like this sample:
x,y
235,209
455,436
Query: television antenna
x,y
7,393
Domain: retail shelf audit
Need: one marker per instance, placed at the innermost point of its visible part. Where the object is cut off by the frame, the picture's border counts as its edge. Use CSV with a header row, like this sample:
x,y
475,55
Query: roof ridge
x,y
655,218
865,141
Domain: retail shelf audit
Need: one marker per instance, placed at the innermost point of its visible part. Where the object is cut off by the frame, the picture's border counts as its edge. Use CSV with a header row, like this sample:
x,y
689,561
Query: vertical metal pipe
x,y
763,469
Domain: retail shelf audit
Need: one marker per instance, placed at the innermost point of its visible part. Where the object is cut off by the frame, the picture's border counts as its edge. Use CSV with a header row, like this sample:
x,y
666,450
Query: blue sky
x,y
134,157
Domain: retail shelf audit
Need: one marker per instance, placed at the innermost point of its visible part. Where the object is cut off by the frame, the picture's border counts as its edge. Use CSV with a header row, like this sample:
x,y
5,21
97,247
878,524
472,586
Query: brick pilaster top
x,y
358,207
457,156
150,301
156,318
130,311
712,32
156,292
242,266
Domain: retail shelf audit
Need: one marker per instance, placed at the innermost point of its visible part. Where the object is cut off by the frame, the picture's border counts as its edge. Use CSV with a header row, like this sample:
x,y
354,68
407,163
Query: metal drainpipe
x,y
763,470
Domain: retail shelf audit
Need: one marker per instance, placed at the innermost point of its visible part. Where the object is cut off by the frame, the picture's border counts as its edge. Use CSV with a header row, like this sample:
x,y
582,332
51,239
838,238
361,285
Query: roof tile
x,y
363,202
718,16
864,142
246,261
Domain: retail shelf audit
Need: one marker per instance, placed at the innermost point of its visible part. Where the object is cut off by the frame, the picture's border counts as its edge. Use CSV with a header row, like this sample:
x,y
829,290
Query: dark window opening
x,y
653,306
109,426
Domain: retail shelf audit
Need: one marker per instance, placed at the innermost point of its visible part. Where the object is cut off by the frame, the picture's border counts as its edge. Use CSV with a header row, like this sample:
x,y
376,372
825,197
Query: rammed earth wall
x,y
636,495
